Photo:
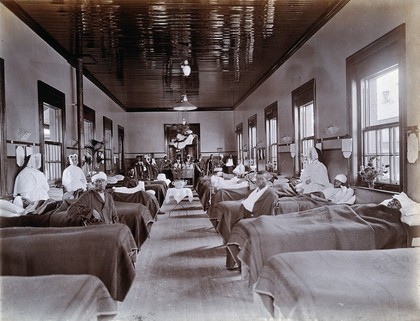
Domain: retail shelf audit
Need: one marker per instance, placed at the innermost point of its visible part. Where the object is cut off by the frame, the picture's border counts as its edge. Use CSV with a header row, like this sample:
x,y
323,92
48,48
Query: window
x,y
252,139
375,77
108,156
121,165
240,143
304,120
271,136
380,124
51,110
88,124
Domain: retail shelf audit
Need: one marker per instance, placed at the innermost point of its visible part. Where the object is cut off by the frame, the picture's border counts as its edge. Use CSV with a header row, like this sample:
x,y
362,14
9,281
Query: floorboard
x,y
181,274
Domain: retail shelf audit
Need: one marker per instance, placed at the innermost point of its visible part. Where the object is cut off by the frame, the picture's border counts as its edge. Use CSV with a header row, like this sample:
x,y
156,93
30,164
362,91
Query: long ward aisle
x,y
181,274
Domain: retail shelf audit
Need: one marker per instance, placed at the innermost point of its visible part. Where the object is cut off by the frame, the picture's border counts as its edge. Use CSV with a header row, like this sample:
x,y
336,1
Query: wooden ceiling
x,y
133,49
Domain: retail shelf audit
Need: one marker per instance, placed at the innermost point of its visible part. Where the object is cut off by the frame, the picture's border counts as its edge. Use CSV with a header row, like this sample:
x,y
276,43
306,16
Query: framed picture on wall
x,y
182,139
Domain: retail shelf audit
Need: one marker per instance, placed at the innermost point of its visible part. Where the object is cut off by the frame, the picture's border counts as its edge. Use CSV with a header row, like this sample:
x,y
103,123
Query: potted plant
x,y
94,156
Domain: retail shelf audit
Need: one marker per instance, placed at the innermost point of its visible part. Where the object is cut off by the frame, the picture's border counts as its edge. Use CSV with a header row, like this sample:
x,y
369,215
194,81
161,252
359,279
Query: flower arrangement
x,y
271,166
371,171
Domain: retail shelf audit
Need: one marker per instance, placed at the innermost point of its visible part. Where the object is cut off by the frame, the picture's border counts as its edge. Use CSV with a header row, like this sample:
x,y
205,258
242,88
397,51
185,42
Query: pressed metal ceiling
x,y
133,49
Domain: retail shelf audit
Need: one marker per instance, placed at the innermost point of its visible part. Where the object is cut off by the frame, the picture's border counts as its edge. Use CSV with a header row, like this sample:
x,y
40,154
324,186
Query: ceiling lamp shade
x,y
186,69
184,105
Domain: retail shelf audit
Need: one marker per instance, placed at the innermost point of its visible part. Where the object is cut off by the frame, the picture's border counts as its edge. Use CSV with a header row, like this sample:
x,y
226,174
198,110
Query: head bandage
x,y
342,178
100,175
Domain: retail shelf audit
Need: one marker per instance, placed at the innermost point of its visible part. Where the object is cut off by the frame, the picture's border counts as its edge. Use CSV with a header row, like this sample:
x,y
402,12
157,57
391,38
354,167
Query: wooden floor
x,y
181,274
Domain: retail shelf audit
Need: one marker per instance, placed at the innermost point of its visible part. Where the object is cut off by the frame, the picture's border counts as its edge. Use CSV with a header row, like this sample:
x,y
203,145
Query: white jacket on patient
x,y
340,195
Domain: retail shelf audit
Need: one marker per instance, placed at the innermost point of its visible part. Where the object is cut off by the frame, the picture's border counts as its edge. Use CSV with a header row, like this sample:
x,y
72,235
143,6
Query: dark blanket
x,y
55,297
135,215
138,218
230,212
204,191
331,227
225,195
106,251
141,197
39,218
159,189
374,285
299,203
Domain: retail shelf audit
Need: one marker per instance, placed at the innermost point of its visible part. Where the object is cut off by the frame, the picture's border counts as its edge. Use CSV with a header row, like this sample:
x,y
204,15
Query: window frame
x,y
108,149
240,143
89,117
252,140
56,99
301,97
380,55
271,117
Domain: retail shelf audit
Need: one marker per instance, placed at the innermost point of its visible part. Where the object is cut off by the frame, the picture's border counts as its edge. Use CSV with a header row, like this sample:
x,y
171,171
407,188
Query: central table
x,y
178,194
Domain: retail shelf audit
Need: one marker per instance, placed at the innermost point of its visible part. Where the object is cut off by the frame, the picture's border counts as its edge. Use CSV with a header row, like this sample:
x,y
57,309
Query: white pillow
x,y
411,220
8,209
119,177
112,180
127,190
408,206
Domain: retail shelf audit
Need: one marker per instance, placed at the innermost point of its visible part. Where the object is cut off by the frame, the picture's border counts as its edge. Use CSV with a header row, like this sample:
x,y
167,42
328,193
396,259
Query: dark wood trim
x,y
20,142
3,147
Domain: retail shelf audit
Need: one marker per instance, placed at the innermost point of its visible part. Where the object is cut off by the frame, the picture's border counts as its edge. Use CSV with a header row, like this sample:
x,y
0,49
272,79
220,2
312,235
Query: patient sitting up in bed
x,y
264,194
95,206
340,193
130,180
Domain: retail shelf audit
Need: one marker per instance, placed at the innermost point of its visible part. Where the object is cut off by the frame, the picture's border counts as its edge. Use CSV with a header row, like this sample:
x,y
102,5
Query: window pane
x,y
383,98
396,140
369,145
52,123
88,131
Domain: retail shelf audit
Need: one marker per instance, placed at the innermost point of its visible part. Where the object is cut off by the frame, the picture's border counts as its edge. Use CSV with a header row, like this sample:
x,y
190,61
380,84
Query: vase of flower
x,y
372,171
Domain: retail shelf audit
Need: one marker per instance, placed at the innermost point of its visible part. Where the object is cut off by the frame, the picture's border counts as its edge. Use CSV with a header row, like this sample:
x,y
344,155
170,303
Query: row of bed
x,y
310,259
53,267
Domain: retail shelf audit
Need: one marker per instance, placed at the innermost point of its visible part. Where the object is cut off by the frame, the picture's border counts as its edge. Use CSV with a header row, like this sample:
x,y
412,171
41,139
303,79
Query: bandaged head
x,y
342,178
100,175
